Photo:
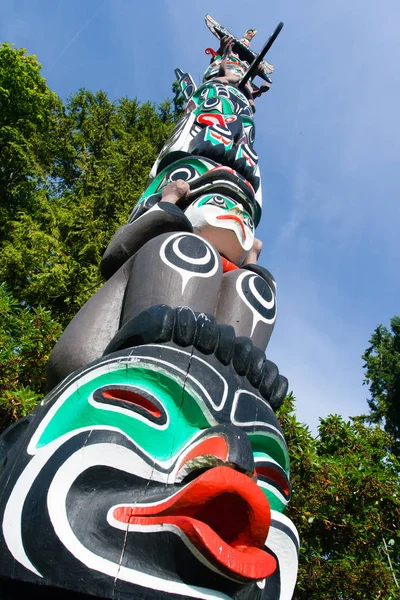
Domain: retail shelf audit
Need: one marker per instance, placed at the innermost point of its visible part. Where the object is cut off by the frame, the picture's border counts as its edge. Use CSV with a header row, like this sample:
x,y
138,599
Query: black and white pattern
x,y
258,297
189,255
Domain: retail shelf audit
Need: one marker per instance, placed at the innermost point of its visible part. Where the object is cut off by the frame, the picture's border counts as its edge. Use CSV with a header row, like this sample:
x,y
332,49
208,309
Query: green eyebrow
x,y
229,201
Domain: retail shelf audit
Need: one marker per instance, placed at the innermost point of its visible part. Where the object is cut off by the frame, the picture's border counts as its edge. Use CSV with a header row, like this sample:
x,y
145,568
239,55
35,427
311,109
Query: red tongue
x,y
224,514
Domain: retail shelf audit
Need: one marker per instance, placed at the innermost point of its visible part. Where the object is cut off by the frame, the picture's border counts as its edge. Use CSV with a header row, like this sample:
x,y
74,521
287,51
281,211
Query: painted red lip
x,y
233,218
224,514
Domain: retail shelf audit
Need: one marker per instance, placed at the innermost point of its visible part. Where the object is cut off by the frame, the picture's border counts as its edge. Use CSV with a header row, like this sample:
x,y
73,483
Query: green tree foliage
x,y
85,165
28,111
346,506
26,339
69,176
382,375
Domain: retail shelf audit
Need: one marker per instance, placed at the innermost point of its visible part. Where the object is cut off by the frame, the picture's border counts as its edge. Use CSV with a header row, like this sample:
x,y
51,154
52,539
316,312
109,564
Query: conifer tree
x,y
69,176
346,506
382,375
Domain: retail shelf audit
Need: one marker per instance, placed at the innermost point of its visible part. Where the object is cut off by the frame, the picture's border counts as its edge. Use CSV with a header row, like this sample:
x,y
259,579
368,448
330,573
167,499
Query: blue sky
x,y
328,138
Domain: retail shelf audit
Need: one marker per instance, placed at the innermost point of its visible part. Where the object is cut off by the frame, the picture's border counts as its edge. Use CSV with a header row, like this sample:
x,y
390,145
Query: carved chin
x,y
225,241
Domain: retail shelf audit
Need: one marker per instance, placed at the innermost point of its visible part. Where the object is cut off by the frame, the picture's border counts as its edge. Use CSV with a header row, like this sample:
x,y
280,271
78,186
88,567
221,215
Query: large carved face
x,y
221,206
154,471
218,126
221,98
213,105
204,175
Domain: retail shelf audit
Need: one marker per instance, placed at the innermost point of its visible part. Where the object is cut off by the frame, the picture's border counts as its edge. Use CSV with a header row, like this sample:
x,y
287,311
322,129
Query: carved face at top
x,y
142,474
217,97
234,66
225,223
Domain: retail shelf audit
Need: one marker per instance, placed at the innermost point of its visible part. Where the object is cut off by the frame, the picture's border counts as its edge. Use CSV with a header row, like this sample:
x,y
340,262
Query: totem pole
x,y
156,467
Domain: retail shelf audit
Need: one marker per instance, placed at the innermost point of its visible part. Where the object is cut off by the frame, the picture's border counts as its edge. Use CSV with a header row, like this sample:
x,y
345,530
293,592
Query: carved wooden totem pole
x,y
156,467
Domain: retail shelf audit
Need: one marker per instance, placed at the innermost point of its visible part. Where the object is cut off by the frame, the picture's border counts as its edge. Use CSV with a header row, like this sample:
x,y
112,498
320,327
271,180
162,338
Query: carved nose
x,y
226,445
238,207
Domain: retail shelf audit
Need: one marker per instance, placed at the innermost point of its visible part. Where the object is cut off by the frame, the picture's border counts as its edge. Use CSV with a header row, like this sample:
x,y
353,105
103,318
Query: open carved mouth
x,y
223,513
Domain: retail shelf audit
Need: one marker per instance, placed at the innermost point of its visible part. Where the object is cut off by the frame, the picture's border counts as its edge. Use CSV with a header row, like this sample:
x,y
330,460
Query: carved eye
x,y
211,103
129,398
222,92
186,173
249,222
250,134
219,201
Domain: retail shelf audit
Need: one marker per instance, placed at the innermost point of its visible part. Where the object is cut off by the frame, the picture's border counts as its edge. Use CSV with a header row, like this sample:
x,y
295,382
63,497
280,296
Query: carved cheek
x,y
211,213
249,238
244,235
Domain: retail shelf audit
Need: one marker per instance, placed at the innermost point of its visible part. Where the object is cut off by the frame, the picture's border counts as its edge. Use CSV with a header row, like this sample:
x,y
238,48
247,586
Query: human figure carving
x,y
130,289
